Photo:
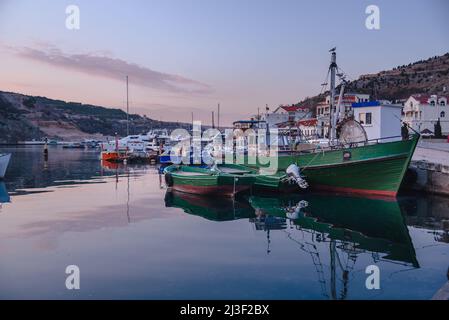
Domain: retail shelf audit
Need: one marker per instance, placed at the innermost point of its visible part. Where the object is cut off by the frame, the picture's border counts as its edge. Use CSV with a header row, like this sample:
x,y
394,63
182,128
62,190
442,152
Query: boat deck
x,y
234,171
189,173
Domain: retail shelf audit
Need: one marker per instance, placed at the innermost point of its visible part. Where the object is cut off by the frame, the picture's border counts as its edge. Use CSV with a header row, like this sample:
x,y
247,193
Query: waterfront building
x,y
285,114
308,128
422,111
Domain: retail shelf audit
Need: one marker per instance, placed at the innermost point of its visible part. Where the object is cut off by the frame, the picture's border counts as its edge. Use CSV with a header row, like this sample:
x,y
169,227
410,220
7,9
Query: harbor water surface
x,y
132,239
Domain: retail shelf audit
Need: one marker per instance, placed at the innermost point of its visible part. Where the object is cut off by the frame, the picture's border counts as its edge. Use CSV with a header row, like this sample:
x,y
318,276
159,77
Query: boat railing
x,y
348,145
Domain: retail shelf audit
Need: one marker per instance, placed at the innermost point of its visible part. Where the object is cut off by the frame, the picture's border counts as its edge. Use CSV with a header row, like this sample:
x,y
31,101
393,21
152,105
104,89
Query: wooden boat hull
x,y
225,190
201,181
376,169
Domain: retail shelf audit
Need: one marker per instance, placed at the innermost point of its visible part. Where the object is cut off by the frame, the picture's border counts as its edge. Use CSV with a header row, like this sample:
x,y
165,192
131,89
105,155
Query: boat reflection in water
x,y
210,208
349,226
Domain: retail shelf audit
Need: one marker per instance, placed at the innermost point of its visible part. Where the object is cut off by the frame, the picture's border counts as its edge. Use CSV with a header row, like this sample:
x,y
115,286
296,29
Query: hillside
x,y
425,76
25,117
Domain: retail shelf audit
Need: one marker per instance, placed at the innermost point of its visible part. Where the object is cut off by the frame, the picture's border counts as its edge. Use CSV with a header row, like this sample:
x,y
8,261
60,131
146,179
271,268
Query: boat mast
x,y
339,113
218,118
333,69
127,108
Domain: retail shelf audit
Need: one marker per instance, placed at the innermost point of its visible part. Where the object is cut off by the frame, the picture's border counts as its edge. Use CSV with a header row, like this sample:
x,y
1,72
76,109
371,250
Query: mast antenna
x,y
127,108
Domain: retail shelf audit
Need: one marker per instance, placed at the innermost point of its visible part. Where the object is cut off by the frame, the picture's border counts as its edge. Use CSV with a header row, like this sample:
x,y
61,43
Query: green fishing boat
x,y
224,180
374,168
350,163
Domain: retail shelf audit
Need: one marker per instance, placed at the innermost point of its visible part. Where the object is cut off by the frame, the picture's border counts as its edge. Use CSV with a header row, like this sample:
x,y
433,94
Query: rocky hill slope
x,y
25,117
429,76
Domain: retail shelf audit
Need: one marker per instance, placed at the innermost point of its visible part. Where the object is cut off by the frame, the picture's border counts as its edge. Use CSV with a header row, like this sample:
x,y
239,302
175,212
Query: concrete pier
x,y
429,170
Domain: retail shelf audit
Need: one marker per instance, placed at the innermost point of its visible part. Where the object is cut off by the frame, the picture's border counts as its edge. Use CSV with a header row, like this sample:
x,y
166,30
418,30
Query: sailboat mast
x,y
127,108
333,69
218,117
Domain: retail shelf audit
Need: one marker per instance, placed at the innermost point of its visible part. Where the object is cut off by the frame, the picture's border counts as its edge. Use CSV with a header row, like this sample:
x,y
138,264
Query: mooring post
x,y
46,150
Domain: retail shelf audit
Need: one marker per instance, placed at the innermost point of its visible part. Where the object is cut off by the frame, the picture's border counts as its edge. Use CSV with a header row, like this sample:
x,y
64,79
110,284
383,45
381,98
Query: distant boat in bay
x,y
73,145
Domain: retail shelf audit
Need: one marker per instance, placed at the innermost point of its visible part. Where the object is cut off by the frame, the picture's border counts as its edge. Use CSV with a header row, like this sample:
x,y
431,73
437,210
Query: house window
x,y
365,118
442,114
432,103
368,118
442,103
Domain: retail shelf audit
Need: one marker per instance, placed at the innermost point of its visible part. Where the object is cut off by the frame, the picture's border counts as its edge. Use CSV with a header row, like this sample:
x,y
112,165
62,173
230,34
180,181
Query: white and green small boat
x,y
225,180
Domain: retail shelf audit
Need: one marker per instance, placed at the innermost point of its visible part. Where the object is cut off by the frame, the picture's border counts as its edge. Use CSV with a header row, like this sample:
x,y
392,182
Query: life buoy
x,y
168,179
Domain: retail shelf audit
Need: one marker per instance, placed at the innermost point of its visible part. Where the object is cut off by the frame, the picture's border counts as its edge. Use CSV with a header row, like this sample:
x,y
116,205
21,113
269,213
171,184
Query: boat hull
x,y
201,181
113,156
4,161
274,183
226,190
376,169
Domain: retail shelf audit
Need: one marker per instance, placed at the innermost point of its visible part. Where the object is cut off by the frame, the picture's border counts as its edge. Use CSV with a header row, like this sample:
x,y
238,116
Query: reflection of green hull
x,y
215,209
372,169
374,225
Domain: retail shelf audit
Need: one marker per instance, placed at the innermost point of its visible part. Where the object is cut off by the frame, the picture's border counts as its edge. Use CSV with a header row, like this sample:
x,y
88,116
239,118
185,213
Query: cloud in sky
x,y
98,64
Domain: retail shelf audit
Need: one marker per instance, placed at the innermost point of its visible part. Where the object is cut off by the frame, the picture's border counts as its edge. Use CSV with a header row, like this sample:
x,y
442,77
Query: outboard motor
x,y
295,212
294,175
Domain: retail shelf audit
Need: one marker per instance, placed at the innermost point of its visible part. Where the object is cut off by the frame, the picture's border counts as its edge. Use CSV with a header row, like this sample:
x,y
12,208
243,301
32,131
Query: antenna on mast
x,y
127,108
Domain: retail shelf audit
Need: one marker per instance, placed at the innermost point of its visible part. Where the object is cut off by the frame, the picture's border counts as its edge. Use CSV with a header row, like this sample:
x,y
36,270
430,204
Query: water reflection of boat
x,y
372,224
4,196
108,165
351,226
215,209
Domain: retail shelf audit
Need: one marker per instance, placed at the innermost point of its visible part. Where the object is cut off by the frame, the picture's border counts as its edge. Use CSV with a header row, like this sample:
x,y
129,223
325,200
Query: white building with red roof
x,y
422,111
285,114
348,99
308,128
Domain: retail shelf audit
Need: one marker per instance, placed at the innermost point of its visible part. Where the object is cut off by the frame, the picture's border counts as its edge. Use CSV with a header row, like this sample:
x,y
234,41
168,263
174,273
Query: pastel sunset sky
x,y
189,55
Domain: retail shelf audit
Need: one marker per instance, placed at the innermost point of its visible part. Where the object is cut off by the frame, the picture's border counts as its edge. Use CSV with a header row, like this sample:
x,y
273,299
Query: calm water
x,y
132,239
